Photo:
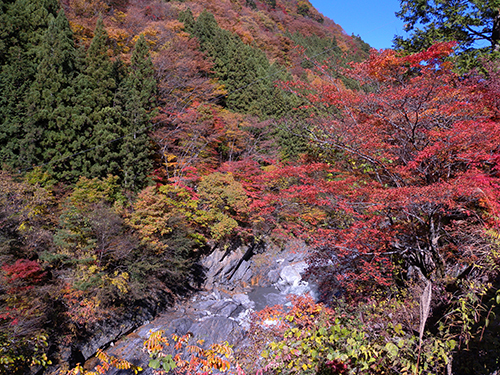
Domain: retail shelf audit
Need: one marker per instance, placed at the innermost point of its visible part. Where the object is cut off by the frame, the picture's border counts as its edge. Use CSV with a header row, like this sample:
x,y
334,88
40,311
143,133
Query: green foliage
x,y
271,3
325,53
49,101
251,4
137,95
468,22
37,176
244,70
22,28
293,139
88,191
18,354
309,338
56,105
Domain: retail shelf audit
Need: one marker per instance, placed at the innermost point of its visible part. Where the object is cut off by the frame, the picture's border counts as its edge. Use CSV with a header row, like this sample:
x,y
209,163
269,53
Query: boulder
x,y
216,329
224,308
244,300
290,276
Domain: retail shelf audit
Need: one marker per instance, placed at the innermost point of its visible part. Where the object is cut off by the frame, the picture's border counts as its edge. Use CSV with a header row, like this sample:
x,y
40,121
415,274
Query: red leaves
x,y
27,271
416,151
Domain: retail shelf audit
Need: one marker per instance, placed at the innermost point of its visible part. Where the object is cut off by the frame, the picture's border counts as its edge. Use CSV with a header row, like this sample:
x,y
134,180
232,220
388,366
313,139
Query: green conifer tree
x,y
137,96
97,88
244,70
22,26
49,100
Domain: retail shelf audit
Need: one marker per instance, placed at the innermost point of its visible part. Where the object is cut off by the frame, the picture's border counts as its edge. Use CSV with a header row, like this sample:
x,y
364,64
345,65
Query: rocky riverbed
x,y
237,283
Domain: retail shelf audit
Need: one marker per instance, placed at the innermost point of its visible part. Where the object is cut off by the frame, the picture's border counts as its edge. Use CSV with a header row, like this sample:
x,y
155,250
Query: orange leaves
x,y
156,342
303,314
384,66
83,310
391,66
107,362
189,358
433,56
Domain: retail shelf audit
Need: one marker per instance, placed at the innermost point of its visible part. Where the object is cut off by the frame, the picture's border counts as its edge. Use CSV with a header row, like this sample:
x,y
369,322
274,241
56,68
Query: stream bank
x,y
237,283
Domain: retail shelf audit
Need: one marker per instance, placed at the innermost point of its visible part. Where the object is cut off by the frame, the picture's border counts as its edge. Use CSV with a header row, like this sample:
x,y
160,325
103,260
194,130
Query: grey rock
x,y
217,329
204,305
243,273
301,267
290,276
181,326
275,299
224,308
244,300
273,276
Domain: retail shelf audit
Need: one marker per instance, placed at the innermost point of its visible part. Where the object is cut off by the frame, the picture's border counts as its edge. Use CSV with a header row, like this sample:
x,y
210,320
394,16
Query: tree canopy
x,y
474,24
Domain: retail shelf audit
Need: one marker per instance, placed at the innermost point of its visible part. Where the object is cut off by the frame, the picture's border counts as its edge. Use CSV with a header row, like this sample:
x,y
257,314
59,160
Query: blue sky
x,y
374,21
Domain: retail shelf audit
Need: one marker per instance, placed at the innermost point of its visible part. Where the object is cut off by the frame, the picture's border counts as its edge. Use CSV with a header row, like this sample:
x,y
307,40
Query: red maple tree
x,y
408,174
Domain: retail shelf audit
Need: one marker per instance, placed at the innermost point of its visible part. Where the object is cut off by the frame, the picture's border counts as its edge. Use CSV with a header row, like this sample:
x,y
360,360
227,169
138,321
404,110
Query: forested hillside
x,y
137,136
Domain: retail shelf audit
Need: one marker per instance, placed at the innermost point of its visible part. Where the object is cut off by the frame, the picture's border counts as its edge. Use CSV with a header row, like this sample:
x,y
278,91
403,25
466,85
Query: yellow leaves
x,y
118,16
222,198
102,356
150,34
79,370
23,227
156,342
109,361
120,281
170,161
217,357
154,210
170,157
120,39
494,235
313,215
219,89
95,190
22,203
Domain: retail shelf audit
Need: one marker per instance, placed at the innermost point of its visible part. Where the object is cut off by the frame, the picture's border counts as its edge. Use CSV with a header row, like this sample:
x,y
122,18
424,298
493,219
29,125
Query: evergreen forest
x,y
137,136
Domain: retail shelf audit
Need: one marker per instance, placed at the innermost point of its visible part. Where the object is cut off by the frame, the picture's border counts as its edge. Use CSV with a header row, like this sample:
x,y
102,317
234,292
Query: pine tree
x,y
49,100
244,70
137,97
470,23
97,88
22,25
188,19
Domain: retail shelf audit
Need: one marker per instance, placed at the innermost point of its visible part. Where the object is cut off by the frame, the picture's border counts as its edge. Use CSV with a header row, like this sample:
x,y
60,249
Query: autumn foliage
x,y
224,126
414,162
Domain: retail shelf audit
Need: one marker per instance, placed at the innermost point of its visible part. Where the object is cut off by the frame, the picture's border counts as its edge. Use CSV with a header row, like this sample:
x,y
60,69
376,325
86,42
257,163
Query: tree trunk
x,y
495,33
